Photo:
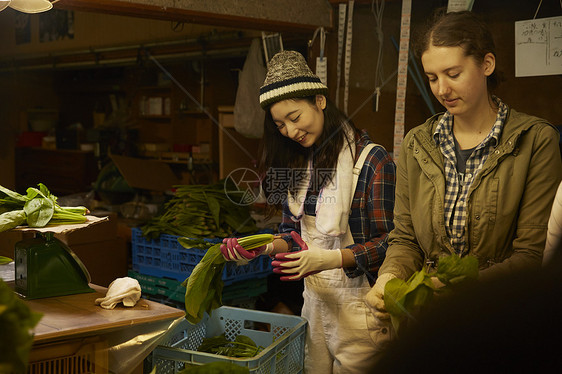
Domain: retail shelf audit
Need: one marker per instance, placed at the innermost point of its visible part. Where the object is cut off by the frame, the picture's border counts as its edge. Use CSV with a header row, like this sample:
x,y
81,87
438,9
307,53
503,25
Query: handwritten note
x,y
459,5
538,47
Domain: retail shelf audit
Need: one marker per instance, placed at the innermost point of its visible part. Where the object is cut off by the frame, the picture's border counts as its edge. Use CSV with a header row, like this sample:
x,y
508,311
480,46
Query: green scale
x,y
46,267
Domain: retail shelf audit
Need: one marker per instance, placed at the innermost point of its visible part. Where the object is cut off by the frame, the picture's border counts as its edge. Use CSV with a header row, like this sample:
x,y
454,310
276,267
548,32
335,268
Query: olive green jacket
x,y
508,206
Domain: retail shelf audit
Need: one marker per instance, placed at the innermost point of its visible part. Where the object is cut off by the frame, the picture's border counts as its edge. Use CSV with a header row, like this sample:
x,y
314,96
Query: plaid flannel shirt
x,y
457,185
371,217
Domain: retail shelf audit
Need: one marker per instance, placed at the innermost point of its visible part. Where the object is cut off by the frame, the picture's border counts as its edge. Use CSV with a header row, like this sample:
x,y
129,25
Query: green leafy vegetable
x,y
5,260
197,211
405,299
242,346
218,367
38,208
194,243
11,219
39,211
454,269
203,288
16,323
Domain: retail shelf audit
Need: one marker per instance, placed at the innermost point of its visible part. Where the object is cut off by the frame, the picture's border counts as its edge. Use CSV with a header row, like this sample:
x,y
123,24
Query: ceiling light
x,y
31,6
4,4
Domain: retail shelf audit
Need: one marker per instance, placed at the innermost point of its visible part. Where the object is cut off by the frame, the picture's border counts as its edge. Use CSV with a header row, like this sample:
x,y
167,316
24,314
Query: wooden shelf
x,y
192,113
160,117
235,150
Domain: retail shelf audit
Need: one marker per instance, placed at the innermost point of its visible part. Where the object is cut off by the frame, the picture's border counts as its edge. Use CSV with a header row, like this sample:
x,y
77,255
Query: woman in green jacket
x,y
476,180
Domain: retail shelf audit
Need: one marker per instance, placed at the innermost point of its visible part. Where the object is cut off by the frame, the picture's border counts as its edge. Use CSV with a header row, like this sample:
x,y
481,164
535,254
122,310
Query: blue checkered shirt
x,y
457,185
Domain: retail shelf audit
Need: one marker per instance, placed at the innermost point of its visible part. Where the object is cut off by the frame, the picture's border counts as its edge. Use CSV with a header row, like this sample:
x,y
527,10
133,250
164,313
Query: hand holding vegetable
x,y
309,260
405,299
233,251
375,297
203,287
437,284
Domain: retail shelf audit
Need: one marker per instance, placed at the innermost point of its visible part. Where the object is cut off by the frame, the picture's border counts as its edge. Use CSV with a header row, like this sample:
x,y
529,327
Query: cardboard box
x,y
101,231
146,174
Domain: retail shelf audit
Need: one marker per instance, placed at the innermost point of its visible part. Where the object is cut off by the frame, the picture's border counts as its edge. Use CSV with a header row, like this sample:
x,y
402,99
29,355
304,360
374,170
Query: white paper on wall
x,y
538,47
459,5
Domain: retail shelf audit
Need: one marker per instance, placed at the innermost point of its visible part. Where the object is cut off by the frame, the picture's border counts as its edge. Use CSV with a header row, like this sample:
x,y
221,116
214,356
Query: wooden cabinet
x,y
175,124
235,150
64,172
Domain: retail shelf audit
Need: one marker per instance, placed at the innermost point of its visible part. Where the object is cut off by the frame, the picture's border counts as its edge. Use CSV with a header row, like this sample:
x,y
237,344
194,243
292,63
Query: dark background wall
x,y
21,89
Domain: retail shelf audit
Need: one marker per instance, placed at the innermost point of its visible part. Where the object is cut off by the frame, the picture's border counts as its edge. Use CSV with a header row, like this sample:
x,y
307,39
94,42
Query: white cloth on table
x,y
126,290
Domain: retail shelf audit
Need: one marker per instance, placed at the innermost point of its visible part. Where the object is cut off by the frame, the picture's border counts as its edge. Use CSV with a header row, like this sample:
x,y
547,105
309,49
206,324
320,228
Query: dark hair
x,y
282,153
459,29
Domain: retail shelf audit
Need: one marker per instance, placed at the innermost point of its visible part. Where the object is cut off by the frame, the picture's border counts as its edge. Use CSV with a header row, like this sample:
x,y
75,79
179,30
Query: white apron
x,y
343,335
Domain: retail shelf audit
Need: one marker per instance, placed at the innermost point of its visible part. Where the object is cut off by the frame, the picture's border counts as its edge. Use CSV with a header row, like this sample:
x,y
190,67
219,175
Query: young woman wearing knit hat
x,y
478,179
336,190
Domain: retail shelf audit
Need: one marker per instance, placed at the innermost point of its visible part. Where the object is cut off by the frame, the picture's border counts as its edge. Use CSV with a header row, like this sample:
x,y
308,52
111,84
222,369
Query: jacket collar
x,y
516,124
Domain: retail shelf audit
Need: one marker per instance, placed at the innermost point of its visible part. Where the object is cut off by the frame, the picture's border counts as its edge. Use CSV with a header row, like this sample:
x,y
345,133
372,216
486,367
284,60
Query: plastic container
x,y
173,290
282,336
167,258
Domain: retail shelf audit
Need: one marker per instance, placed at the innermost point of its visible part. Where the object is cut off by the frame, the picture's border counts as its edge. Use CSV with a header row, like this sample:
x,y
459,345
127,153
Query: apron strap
x,y
359,165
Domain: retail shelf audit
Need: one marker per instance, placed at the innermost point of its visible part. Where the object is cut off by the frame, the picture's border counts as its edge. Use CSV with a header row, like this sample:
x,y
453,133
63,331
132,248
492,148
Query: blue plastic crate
x,y
167,258
281,335
173,291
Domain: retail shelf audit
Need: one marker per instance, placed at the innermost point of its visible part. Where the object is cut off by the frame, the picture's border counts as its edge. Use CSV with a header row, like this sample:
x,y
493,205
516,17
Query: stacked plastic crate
x,y
162,265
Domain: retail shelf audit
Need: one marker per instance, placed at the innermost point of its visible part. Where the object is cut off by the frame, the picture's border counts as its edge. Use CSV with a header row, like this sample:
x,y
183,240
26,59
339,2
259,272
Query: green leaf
x,y
198,293
39,211
214,207
405,299
203,288
211,343
242,346
5,260
454,269
16,323
245,340
194,243
401,297
11,219
12,195
217,367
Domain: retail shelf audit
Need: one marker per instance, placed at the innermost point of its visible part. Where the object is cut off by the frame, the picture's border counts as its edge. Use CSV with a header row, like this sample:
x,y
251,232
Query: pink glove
x,y
309,260
232,251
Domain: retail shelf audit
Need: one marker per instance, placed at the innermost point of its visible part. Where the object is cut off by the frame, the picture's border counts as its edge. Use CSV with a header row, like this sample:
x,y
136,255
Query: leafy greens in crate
x,y
198,211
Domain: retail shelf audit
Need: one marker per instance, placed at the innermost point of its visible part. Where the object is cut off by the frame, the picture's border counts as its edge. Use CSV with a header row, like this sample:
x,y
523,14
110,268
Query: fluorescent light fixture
x,y
31,6
4,4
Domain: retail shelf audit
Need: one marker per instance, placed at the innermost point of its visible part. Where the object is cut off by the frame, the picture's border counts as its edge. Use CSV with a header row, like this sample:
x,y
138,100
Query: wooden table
x,y
74,324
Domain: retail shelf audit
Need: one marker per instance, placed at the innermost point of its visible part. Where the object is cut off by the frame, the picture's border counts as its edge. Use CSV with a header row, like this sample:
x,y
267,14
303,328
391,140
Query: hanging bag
x,y
248,114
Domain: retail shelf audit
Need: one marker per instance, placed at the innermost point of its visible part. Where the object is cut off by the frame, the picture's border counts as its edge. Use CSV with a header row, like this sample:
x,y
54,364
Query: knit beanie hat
x,y
288,76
